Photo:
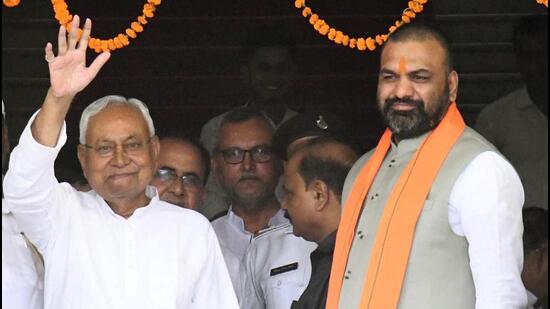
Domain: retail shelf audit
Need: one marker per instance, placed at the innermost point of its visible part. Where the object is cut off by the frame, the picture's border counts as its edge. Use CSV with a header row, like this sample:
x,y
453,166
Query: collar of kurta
x,y
235,220
150,191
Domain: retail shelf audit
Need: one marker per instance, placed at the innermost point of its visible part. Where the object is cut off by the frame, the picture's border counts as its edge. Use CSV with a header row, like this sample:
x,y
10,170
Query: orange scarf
x,y
395,234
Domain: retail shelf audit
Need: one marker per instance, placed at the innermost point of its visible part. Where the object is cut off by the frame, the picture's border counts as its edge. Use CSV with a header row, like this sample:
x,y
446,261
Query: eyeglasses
x,y
107,149
259,154
190,181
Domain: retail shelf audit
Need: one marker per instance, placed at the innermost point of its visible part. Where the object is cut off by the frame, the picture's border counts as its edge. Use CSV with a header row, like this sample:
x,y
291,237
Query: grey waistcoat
x,y
438,273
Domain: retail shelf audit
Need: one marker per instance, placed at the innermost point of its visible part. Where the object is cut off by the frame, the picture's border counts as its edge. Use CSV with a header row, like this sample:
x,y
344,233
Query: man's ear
x,y
321,194
82,158
453,86
542,258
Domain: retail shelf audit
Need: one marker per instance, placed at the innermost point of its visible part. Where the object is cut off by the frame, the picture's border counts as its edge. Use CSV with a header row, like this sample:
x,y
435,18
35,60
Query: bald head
x,y
314,179
327,160
421,32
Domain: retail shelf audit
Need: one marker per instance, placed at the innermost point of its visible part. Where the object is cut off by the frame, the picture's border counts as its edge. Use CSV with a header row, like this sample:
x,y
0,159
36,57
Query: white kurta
x,y
22,280
163,256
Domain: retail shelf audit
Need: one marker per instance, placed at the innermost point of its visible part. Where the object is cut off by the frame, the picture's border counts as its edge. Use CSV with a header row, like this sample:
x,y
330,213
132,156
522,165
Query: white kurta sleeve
x,y
214,288
486,207
31,189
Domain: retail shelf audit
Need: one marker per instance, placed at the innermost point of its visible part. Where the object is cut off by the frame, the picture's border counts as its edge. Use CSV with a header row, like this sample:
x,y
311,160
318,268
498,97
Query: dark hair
x,y
264,35
422,31
242,114
318,164
204,155
530,26
535,228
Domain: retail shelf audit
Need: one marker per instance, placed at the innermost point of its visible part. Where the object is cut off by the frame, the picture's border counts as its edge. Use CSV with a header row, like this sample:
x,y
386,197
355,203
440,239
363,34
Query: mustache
x,y
249,177
393,101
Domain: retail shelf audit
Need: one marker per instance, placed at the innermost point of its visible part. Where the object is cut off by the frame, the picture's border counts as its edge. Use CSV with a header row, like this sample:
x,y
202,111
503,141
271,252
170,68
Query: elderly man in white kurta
x,y
117,246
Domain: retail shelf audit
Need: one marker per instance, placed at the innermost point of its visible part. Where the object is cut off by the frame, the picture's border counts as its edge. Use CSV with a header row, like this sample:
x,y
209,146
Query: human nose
x,y
177,187
120,158
248,163
404,88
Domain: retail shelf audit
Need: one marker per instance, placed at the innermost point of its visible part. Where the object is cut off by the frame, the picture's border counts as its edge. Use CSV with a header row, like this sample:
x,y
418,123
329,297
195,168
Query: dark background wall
x,y
185,64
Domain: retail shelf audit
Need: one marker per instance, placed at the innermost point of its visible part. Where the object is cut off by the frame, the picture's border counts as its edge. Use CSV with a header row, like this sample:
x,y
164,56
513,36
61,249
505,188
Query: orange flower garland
x,y
543,2
362,44
65,18
11,3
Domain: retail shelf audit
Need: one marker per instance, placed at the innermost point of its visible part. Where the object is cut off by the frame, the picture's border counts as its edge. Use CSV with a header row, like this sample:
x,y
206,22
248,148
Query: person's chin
x,y
122,193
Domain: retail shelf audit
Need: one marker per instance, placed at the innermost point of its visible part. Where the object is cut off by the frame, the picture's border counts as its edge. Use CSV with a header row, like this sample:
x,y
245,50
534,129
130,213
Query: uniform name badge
x,y
283,269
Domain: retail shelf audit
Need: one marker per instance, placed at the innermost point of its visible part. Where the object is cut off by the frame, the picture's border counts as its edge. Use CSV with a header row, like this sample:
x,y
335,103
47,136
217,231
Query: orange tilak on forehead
x,y
402,66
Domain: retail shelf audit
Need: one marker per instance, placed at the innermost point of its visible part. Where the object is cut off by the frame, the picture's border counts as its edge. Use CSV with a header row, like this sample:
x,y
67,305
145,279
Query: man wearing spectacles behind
x,y
247,169
183,168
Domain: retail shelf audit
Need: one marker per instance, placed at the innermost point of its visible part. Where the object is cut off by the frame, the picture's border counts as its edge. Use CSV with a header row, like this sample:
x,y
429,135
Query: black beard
x,y
413,123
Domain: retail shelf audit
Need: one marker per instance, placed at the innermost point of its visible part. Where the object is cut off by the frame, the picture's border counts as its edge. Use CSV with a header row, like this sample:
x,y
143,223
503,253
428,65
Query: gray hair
x,y
101,103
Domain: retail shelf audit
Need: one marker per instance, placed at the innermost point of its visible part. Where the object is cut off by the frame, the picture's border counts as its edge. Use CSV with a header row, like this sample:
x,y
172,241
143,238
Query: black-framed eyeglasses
x,y
190,181
259,154
107,148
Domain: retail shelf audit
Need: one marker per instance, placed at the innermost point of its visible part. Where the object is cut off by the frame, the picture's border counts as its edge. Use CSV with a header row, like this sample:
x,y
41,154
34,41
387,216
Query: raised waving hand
x,y
68,72
68,76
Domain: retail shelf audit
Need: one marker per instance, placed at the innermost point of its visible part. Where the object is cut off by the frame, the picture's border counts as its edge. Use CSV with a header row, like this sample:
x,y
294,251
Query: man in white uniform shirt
x,y
278,269
117,246
248,171
22,266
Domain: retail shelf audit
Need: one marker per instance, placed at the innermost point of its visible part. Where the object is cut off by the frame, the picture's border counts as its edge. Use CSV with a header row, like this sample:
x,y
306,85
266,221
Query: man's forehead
x,y
117,125
175,151
417,53
253,132
124,113
178,146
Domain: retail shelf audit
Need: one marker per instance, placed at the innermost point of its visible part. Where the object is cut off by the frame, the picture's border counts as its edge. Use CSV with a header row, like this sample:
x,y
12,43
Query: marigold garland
x,y
62,14
320,25
414,7
11,3
65,18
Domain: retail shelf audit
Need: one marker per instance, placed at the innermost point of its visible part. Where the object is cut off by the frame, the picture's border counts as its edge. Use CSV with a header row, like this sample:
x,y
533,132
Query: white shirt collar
x,y
238,222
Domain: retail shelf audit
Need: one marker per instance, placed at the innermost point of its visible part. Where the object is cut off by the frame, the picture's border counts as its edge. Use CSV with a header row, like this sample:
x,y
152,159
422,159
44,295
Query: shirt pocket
x,y
284,288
